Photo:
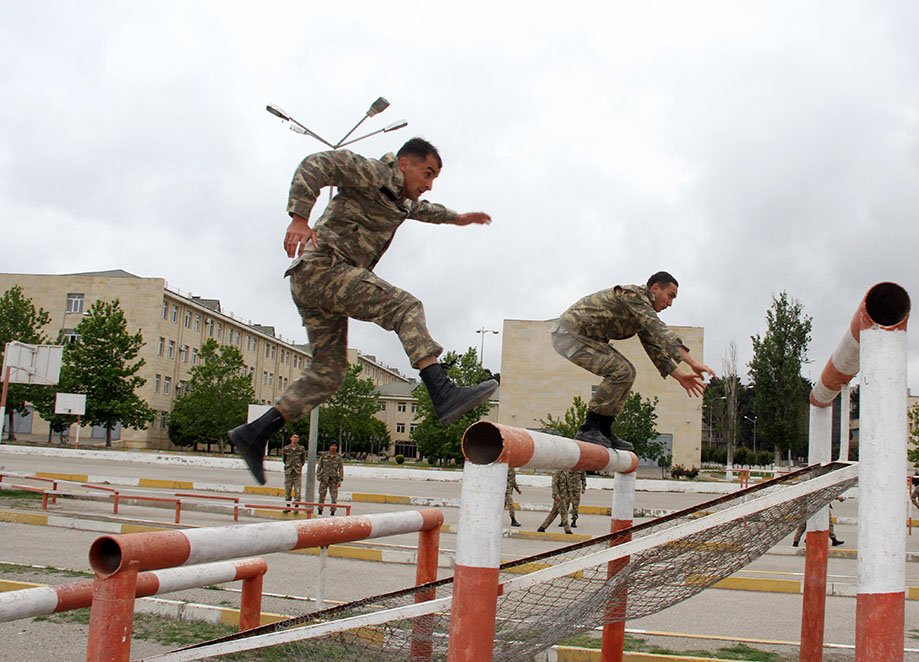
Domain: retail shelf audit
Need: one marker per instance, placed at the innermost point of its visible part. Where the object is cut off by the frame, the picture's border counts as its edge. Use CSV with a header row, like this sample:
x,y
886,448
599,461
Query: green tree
x,y
20,321
101,364
781,392
912,454
441,443
347,416
216,400
636,423
571,420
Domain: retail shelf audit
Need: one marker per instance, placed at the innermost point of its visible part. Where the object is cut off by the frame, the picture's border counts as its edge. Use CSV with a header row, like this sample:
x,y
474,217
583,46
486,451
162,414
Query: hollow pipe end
x,y
105,556
482,443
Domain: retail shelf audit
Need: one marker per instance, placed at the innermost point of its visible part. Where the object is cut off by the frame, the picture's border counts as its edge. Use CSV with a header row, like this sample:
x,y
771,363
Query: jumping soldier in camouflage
x,y
560,499
577,485
330,471
583,334
294,457
332,279
509,494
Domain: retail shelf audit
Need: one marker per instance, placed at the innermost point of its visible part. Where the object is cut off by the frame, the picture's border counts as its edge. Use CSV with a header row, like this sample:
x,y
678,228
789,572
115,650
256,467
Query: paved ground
x,y
714,612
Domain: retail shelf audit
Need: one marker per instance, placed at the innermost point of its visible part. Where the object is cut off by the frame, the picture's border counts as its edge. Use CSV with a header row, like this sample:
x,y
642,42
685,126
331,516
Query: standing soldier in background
x,y
294,457
577,485
509,494
330,471
560,491
332,280
583,333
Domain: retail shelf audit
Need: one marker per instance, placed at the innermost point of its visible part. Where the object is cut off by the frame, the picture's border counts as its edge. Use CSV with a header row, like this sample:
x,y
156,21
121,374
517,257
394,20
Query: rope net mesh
x,y
534,617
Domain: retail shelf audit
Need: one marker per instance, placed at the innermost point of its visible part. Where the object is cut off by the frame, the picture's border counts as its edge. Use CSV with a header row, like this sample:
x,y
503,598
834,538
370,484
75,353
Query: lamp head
x,y
377,106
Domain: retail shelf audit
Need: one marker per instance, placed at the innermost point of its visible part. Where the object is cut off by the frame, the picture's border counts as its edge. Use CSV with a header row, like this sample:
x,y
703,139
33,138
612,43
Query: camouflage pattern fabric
x,y
560,498
583,334
333,282
509,491
294,459
577,484
330,488
330,470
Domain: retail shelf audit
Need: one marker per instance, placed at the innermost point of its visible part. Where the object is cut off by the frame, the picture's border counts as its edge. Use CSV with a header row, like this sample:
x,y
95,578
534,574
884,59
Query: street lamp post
x,y
754,431
376,107
484,331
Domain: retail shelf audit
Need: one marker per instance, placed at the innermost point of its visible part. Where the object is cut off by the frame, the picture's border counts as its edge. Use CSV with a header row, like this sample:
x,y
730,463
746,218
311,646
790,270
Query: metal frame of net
x,y
548,597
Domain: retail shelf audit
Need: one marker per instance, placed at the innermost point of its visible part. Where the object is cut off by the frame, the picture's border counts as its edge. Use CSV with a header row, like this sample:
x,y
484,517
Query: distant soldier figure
x,y
802,527
583,333
914,495
560,498
509,494
330,471
294,457
577,485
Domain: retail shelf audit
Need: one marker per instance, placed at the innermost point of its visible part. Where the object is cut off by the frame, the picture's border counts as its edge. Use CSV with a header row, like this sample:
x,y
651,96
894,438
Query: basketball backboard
x,y
32,364
70,403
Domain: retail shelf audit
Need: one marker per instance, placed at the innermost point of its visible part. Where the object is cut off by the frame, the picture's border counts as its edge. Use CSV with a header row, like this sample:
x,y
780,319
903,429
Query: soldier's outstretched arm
x,y
699,368
473,217
692,382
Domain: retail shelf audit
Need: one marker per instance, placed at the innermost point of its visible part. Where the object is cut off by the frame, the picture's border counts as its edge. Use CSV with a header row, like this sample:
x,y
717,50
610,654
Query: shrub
x,y
677,471
400,459
691,473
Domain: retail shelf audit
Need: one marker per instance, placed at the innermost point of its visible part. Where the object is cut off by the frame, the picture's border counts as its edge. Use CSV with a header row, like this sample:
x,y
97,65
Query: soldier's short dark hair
x,y
662,278
420,149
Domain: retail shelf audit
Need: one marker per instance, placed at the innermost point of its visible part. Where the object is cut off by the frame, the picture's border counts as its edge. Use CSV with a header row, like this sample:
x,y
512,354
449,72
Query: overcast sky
x,y
746,147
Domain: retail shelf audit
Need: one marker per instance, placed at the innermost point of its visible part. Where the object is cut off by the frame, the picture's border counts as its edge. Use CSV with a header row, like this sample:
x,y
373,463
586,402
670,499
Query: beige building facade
x,y
174,325
536,381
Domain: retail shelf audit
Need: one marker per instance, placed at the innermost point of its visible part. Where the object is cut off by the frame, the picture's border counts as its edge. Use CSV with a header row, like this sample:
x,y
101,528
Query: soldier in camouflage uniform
x,y
330,471
577,485
583,334
509,494
560,497
294,457
332,279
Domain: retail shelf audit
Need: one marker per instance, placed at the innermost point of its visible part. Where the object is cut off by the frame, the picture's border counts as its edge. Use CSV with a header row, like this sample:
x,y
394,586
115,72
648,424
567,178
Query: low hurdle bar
x,y
43,600
118,559
875,342
489,449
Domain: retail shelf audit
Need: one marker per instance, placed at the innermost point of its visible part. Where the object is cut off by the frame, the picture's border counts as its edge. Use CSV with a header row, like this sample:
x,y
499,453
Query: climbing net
x,y
551,596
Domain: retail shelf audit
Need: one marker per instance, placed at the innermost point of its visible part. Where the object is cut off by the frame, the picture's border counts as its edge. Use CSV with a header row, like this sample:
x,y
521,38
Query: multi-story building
x,y
174,325
536,381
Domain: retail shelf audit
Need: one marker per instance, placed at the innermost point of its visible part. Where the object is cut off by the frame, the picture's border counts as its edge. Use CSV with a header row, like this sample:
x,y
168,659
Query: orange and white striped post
x,y
490,448
613,642
426,571
876,343
117,559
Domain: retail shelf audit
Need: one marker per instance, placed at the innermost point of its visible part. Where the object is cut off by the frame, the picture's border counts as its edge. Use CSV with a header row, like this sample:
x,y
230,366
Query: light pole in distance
x,y
754,431
484,331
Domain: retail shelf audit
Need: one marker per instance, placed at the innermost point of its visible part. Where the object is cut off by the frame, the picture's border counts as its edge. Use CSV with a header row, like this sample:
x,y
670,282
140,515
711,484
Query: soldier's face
x,y
294,440
333,449
663,296
419,175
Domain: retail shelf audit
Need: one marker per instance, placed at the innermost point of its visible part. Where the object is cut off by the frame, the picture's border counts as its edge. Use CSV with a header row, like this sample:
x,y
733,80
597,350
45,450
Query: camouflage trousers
x,y
509,502
559,507
600,358
802,528
292,486
328,291
575,502
329,487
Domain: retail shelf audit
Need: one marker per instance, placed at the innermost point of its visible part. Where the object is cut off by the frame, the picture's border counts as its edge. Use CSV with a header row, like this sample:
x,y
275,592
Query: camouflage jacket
x,y
560,485
294,458
511,481
330,467
359,223
621,312
577,482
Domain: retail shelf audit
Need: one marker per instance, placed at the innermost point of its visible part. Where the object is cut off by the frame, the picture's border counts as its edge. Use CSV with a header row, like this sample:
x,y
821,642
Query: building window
x,y
414,407
400,428
74,303
165,309
156,384
270,379
164,419
167,385
183,354
219,331
175,313
210,328
181,385
267,351
413,427
236,342
264,378
194,356
162,346
400,407
382,406
187,318
71,336
171,350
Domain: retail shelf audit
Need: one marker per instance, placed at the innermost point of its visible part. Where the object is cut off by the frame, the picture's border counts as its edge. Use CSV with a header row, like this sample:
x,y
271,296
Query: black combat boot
x,y
590,431
451,401
574,522
514,522
250,440
604,425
